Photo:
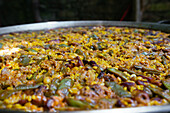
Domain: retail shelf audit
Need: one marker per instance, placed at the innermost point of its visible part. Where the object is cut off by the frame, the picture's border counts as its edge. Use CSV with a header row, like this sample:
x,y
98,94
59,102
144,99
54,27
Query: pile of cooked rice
x,y
84,68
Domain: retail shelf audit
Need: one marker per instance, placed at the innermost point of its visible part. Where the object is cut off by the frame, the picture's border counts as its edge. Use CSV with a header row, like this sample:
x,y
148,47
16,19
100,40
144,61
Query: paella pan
x,y
85,65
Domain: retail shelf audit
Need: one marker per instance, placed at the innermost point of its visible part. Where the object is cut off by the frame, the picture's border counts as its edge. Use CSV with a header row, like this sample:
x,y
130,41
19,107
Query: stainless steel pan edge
x,y
58,24
148,109
55,24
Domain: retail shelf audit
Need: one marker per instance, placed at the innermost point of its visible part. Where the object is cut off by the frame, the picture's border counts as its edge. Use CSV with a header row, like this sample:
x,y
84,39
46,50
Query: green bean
x,y
148,70
41,78
137,67
117,72
26,49
61,59
163,60
152,71
166,83
148,91
26,87
118,89
5,94
66,83
127,70
32,50
159,91
77,103
63,45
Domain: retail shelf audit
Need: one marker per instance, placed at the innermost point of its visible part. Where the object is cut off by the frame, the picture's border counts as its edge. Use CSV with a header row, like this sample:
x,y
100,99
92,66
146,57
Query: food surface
x,y
84,68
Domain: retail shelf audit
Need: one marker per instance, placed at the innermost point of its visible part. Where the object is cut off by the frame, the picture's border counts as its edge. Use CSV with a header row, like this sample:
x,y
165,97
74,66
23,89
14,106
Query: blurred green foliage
x,y
22,11
157,10
14,12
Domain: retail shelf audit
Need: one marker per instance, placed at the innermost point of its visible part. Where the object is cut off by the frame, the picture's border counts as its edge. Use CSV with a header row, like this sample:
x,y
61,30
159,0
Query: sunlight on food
x,y
9,51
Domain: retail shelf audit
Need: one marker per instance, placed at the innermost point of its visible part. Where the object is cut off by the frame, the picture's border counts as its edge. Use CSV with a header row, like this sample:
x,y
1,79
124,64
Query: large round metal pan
x,y
55,24
61,24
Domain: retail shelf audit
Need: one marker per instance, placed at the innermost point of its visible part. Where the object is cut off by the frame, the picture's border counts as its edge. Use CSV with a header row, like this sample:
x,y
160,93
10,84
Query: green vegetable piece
x,y
32,50
148,91
25,61
1,44
61,59
118,89
117,72
151,71
67,108
148,70
166,83
137,67
80,52
110,102
163,60
63,45
127,70
66,83
159,91
77,103
5,94
26,87
40,79
154,72
15,69
26,49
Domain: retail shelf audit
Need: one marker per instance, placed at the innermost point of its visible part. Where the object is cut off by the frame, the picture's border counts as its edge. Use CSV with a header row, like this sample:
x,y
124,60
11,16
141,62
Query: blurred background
x,y
14,12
